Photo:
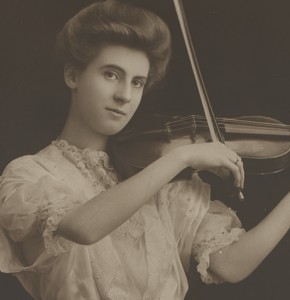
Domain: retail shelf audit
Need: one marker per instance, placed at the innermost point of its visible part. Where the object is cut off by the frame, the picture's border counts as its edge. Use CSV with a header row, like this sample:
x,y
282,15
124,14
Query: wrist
x,y
183,155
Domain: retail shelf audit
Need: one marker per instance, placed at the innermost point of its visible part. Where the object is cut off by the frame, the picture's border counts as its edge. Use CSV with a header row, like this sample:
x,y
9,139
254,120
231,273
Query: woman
x,y
72,230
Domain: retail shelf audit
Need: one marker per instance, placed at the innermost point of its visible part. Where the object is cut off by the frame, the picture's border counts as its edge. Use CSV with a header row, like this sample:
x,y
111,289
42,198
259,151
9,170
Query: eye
x,y
138,83
111,75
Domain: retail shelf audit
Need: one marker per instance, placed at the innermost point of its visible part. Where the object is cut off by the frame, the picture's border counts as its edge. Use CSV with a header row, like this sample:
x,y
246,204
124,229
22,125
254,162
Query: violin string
x,y
280,130
188,126
204,125
260,125
182,121
230,120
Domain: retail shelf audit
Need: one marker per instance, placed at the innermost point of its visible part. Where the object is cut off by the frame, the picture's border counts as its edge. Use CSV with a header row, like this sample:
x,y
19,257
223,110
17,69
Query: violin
x,y
262,142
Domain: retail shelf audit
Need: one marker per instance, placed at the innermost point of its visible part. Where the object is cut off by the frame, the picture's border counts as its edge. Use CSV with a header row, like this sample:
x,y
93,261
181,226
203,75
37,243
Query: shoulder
x,y
45,161
46,171
40,175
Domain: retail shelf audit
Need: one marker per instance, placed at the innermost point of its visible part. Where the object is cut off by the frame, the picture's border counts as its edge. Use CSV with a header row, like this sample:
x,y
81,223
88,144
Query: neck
x,y
82,137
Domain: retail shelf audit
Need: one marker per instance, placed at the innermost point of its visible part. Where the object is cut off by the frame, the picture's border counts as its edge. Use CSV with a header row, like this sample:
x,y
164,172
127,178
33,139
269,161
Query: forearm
x,y
101,215
238,260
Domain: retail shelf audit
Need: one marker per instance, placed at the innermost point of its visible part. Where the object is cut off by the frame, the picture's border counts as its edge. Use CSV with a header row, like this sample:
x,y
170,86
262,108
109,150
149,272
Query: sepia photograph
x,y
144,150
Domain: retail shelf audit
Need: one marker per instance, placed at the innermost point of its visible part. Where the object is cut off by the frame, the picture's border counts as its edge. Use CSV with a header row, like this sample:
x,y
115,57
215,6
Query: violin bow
x,y
209,115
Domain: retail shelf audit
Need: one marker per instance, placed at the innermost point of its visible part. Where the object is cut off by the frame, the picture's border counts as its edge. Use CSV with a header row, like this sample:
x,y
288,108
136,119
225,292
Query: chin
x,y
112,128
112,131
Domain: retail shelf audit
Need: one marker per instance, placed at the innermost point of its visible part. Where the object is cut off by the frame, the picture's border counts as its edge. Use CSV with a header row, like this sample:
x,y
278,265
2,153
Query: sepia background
x,y
243,48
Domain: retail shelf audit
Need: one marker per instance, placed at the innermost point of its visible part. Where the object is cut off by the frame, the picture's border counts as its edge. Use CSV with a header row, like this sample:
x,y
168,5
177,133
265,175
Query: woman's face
x,y
107,93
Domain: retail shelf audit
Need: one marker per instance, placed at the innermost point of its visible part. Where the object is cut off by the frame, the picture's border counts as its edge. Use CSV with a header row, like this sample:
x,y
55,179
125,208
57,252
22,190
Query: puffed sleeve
x,y
201,226
220,227
32,203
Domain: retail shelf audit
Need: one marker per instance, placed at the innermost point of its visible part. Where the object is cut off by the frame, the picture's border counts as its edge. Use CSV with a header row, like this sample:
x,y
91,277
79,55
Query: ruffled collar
x,y
94,164
97,156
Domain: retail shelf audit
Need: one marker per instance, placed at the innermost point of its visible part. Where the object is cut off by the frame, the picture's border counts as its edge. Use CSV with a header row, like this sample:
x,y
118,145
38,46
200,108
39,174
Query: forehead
x,y
132,61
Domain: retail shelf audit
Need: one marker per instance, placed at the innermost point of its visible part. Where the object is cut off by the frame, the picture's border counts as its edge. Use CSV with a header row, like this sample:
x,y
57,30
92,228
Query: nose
x,y
123,94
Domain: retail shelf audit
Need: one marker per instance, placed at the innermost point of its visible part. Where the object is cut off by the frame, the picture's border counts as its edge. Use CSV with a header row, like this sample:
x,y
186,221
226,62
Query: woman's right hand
x,y
214,157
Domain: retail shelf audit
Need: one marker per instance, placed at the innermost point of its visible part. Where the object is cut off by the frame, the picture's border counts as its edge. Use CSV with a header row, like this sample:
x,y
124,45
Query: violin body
x,y
262,154
262,142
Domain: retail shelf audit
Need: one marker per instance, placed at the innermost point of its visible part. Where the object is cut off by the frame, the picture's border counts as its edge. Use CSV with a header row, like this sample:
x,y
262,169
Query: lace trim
x,y
207,247
93,164
50,218
133,228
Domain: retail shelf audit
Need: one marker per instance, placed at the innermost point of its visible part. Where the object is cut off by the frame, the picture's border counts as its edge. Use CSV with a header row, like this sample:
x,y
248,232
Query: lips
x,y
116,110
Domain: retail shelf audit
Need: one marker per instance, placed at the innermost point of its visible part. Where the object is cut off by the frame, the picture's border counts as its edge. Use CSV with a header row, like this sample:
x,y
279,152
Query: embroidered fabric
x,y
207,247
220,228
132,228
216,207
49,218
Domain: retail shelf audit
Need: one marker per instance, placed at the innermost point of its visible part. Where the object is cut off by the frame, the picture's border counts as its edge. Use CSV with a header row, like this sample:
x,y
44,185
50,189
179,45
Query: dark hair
x,y
114,22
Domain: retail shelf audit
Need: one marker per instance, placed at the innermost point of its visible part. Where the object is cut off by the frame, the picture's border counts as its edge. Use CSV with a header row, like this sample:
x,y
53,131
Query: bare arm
x,y
102,214
238,260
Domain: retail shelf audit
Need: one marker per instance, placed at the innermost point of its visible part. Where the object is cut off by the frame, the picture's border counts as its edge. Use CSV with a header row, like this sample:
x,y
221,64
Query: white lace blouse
x,y
145,258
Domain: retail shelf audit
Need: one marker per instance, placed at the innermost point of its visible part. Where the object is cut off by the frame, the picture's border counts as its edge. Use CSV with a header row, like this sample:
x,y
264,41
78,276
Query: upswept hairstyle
x,y
113,22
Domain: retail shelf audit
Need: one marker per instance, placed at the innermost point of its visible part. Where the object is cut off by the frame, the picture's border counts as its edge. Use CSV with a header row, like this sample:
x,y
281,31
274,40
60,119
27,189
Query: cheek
x,y
88,106
91,85
89,91
92,97
135,103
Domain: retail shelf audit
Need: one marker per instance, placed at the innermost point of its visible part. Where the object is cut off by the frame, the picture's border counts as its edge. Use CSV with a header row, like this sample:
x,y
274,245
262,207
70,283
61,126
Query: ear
x,y
70,76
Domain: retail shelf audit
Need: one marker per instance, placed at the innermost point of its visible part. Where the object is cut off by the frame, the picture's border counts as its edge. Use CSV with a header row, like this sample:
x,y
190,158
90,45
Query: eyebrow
x,y
116,67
